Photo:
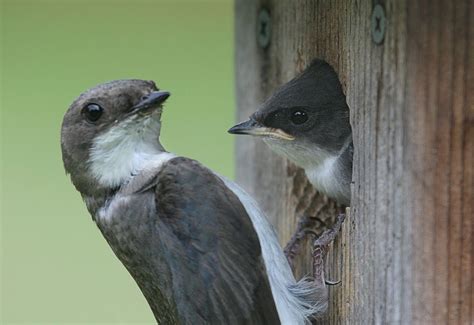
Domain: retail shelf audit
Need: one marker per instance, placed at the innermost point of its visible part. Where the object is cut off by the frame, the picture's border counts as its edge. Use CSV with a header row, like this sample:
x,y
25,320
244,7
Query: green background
x,y
55,265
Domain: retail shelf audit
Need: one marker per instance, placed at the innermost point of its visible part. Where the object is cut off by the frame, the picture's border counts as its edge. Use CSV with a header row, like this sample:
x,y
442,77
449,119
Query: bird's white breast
x,y
326,178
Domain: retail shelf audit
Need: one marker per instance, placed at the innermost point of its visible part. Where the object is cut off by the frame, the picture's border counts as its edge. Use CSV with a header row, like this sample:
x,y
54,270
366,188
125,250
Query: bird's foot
x,y
320,250
304,228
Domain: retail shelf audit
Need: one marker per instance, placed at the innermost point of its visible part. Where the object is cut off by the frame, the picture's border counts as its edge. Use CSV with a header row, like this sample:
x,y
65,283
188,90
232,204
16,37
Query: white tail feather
x,y
295,301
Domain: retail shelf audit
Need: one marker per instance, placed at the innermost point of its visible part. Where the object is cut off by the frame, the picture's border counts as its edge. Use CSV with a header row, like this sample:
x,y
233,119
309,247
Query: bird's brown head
x,y
108,127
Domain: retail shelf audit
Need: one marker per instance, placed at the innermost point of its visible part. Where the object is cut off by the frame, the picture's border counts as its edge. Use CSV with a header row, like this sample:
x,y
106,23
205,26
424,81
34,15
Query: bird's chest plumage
x,y
328,178
323,176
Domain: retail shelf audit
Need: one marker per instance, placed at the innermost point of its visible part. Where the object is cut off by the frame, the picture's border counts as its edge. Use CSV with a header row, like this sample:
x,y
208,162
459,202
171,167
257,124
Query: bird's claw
x,y
329,235
320,250
321,243
305,227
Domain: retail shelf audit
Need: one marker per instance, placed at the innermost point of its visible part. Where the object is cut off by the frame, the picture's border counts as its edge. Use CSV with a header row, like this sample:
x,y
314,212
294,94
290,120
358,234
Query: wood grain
x,y
406,255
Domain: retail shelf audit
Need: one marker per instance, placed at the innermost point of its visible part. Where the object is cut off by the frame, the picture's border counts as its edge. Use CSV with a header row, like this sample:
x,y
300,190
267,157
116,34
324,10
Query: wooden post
x,y
406,254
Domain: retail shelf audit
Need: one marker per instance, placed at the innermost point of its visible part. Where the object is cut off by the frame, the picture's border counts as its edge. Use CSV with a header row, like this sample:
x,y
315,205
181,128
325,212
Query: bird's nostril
x,y
144,98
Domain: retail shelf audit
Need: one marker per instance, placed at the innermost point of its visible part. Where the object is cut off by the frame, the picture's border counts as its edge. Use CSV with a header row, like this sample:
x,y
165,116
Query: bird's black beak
x,y
252,127
151,101
244,127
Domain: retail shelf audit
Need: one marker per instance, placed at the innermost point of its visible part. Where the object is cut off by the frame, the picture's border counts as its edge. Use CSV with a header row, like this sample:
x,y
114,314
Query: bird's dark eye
x,y
92,112
299,117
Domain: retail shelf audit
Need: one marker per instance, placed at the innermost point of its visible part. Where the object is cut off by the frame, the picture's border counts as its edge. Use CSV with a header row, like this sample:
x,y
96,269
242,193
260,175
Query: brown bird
x,y
197,245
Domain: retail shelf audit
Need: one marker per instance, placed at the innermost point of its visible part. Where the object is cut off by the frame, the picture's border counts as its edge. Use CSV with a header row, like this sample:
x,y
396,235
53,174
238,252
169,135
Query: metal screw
x,y
264,28
378,24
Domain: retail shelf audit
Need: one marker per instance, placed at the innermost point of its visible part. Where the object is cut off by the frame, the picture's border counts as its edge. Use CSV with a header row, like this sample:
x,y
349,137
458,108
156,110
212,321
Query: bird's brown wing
x,y
211,247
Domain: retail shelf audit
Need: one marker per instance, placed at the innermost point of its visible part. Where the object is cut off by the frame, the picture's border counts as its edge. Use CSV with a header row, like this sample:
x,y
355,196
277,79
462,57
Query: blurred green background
x,y
55,265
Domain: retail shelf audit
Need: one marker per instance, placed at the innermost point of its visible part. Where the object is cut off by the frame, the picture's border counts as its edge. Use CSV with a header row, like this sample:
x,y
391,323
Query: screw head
x,y
378,24
264,28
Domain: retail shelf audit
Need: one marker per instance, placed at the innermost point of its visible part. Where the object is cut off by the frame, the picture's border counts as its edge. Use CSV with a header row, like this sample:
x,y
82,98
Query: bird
x,y
307,121
197,245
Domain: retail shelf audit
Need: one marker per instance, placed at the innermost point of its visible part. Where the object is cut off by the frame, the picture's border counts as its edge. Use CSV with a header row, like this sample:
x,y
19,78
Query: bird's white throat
x,y
125,149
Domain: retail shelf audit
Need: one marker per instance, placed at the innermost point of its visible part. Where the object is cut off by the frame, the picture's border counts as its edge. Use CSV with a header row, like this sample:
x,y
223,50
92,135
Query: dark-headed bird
x,y
307,121
199,248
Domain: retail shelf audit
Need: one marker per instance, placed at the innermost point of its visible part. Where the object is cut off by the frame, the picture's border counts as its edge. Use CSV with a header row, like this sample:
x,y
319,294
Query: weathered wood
x,y
406,255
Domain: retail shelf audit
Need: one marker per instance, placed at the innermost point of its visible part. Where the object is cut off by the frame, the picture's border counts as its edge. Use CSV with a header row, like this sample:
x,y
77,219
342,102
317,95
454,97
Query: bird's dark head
x,y
306,120
109,129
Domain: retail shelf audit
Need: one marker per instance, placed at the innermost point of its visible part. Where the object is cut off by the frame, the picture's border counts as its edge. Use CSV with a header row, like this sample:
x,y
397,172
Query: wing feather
x,y
212,248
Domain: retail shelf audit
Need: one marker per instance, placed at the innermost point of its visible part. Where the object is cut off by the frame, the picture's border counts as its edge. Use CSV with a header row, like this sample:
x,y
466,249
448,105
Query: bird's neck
x,y
115,166
144,168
